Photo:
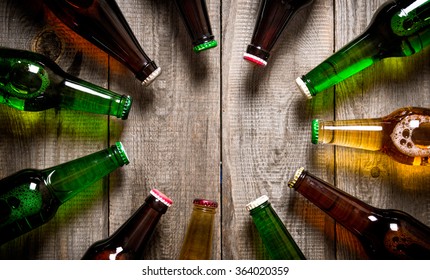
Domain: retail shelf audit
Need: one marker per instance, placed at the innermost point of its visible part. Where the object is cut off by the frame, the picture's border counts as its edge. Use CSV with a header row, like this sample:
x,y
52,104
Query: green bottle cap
x,y
205,46
315,128
122,153
127,106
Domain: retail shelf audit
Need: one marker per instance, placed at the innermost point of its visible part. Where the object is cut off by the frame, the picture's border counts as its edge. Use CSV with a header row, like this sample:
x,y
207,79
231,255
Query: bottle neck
x,y
134,235
80,95
350,212
68,179
198,239
277,240
365,134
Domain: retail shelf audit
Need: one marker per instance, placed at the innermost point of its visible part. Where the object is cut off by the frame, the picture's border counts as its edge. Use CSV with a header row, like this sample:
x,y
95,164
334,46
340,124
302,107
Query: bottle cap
x,y
255,203
303,88
151,77
122,153
293,181
205,46
205,202
315,129
161,197
254,59
127,106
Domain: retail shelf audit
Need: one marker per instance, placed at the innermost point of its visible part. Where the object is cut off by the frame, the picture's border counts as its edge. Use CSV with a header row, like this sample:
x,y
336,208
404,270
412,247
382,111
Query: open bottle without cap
x,y
32,82
278,242
197,243
102,23
383,233
273,17
399,28
31,197
404,135
194,14
131,239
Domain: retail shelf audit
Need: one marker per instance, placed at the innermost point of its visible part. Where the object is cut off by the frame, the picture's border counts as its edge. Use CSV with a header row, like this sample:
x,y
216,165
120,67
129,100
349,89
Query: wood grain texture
x,y
209,108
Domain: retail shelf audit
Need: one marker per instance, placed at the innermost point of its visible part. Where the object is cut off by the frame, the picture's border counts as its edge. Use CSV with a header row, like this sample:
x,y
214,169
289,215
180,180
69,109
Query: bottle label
x,y
411,19
22,78
411,136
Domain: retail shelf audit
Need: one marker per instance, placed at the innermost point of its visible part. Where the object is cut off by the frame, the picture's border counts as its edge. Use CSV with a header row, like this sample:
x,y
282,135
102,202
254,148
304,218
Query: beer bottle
x,y
194,14
404,135
273,17
276,238
197,243
31,197
32,82
399,28
131,239
384,233
102,23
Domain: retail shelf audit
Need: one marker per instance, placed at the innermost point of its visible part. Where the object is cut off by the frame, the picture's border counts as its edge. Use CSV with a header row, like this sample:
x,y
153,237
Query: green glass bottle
x,y
31,197
399,28
276,238
32,82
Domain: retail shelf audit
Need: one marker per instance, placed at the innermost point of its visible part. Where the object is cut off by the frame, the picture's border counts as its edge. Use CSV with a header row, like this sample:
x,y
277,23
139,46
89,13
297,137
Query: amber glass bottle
x,y
197,243
384,233
102,23
399,28
32,82
31,197
130,240
279,243
404,134
273,17
194,14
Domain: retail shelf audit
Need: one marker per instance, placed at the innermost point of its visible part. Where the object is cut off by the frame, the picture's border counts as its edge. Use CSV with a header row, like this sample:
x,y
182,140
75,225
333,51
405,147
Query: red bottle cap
x,y
205,202
161,197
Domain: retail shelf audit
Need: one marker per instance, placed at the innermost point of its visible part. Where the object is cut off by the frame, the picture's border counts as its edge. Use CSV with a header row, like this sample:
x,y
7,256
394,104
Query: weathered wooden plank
x,y
266,132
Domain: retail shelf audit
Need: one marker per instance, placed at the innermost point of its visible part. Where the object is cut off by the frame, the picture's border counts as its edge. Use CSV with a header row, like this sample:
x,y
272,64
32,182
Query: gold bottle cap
x,y
293,181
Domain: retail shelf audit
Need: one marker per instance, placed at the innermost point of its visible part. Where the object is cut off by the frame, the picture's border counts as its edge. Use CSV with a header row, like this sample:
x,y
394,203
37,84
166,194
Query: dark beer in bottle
x,y
384,233
131,239
195,15
102,23
273,17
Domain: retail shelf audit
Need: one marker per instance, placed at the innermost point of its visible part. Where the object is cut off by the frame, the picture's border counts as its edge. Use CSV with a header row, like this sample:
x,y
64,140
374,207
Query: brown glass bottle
x,y
273,17
130,240
102,23
404,135
194,13
384,233
198,239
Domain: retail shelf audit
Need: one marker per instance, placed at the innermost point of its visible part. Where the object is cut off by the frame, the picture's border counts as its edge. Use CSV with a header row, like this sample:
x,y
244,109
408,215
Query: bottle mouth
x,y
315,130
303,88
127,101
296,177
257,202
161,197
152,77
255,59
122,153
205,46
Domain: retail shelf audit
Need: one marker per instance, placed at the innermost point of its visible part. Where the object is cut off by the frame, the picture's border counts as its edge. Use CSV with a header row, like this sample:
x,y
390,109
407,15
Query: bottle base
x,y
303,88
254,59
151,77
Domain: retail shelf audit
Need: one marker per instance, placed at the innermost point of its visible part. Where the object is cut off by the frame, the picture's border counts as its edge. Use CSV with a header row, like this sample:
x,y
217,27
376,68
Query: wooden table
x,y
206,109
